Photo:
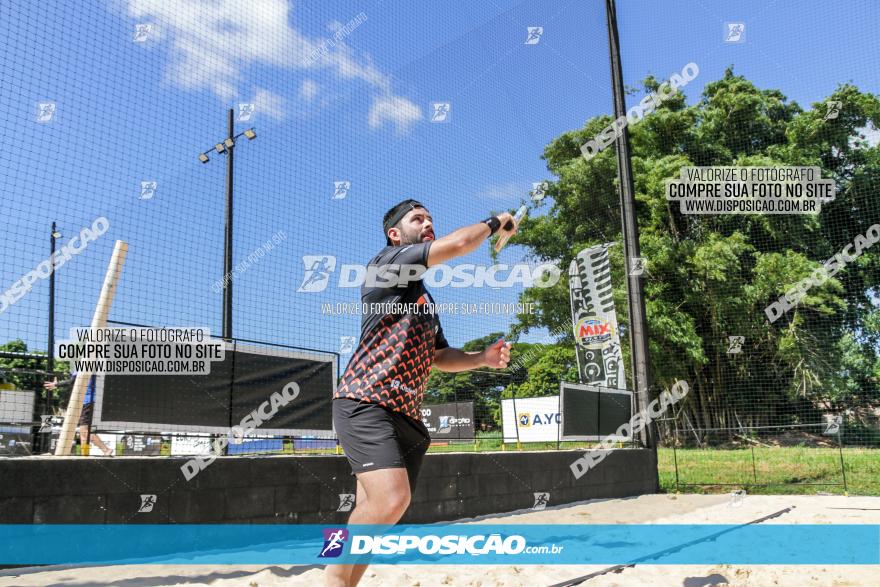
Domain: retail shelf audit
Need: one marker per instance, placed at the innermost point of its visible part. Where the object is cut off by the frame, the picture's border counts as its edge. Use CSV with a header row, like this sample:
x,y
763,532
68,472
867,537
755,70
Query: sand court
x,y
650,509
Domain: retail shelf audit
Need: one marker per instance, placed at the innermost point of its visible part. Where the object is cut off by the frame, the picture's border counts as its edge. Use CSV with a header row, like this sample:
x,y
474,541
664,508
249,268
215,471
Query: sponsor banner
x,y
255,445
314,443
453,421
190,445
15,440
140,444
595,321
492,544
531,419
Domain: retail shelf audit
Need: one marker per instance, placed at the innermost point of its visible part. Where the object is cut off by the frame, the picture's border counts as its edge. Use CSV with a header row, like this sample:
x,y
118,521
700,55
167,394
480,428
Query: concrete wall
x,y
298,489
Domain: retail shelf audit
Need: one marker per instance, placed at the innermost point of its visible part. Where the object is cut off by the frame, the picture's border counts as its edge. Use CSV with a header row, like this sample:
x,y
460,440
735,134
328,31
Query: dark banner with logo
x,y
595,322
453,421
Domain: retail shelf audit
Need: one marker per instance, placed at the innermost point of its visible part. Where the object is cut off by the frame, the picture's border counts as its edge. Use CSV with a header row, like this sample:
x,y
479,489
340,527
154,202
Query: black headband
x,y
393,220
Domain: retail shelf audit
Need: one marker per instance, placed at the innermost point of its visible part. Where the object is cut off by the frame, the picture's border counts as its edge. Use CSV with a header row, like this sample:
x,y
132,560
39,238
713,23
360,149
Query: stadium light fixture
x,y
227,147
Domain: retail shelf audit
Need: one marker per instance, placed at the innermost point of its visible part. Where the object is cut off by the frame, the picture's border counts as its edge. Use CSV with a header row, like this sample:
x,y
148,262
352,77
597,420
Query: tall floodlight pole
x,y
50,351
227,239
227,147
638,330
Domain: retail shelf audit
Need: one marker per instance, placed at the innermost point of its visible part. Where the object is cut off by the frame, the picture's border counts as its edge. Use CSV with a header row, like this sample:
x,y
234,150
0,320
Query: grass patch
x,y
776,470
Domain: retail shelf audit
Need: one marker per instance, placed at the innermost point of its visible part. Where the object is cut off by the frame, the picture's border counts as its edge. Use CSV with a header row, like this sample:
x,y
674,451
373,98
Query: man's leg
x,y
83,439
418,440
358,570
85,424
95,440
382,498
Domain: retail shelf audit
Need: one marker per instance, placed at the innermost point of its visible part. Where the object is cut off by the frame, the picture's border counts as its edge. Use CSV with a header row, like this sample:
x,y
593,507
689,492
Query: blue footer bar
x,y
768,544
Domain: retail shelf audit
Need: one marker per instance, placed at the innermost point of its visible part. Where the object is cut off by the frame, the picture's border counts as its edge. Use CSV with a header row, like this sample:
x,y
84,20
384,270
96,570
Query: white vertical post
x,y
99,320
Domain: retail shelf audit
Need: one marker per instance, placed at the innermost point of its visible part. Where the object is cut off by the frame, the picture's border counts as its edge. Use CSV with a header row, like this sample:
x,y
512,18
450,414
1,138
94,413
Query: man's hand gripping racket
x,y
509,228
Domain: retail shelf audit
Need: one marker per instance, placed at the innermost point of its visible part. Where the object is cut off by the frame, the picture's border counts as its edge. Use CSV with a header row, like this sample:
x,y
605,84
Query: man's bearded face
x,y
416,227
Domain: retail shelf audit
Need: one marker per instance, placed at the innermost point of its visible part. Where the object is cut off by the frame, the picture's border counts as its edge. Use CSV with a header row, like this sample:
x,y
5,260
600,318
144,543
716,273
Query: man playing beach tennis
x,y
376,405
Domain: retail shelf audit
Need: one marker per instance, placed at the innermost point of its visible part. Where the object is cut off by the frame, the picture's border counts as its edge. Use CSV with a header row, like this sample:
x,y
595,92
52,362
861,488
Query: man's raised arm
x,y
466,239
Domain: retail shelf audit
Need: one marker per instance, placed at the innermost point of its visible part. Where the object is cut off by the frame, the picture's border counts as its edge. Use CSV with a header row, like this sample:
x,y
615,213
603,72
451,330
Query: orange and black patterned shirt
x,y
399,334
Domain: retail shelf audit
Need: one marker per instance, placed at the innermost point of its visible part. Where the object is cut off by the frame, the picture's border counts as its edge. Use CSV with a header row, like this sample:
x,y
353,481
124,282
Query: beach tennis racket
x,y
502,239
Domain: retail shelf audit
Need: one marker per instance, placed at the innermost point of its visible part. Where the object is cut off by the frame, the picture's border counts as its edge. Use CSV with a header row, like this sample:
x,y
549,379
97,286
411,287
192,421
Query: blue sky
x,y
129,112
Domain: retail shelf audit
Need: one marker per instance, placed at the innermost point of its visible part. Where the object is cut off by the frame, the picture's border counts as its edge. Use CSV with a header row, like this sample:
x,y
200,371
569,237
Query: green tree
x,y
28,374
710,277
481,386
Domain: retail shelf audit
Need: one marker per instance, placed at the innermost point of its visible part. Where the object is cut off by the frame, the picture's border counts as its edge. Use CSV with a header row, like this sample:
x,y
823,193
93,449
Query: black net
x,y
117,118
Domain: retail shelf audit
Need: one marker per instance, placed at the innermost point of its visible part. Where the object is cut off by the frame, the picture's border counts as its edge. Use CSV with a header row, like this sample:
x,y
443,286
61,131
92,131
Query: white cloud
x,y
510,190
399,111
268,103
212,44
308,90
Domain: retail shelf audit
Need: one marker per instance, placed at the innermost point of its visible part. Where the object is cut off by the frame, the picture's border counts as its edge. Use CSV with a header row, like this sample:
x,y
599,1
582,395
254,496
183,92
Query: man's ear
x,y
393,234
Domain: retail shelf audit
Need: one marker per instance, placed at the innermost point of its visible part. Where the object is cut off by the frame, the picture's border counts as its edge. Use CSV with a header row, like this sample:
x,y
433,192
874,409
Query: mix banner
x,y
595,322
